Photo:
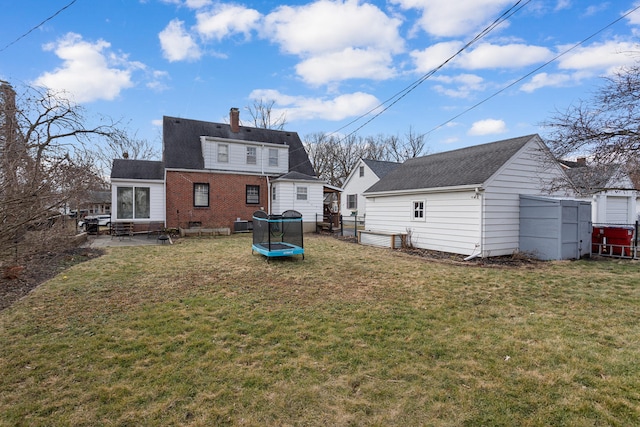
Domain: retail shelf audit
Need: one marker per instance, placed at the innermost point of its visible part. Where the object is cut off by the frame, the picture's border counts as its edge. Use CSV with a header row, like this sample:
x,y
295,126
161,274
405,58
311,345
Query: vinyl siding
x,y
452,220
237,156
357,184
156,196
286,199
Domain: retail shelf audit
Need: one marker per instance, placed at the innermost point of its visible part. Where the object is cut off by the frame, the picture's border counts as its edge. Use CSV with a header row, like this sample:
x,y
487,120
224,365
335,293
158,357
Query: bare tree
x,y
262,115
119,146
606,128
41,165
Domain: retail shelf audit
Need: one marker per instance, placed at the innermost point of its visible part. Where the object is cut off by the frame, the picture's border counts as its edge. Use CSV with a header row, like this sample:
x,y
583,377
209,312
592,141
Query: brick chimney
x,y
234,120
581,161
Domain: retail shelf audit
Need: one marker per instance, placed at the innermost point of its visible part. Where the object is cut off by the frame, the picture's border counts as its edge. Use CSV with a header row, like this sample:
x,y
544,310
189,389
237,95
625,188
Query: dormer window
x,y
223,153
273,157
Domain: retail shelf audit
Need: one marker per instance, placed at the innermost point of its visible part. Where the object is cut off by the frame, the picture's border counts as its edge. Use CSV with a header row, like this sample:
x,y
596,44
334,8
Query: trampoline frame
x,y
279,247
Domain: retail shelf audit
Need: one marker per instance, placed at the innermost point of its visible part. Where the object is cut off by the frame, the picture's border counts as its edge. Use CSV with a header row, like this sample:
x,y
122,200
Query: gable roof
x,y
182,148
379,167
296,176
466,166
592,179
137,169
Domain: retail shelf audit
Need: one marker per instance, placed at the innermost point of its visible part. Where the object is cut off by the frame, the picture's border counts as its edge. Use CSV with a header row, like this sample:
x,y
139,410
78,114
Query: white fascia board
x,y
142,181
458,188
220,171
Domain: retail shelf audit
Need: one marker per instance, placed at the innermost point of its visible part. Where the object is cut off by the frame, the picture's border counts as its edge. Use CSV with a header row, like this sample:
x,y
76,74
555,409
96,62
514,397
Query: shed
x,y
555,229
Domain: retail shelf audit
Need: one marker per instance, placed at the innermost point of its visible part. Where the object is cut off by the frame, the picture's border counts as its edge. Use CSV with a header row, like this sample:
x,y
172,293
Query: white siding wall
x,y
528,172
156,196
452,220
238,157
357,184
286,198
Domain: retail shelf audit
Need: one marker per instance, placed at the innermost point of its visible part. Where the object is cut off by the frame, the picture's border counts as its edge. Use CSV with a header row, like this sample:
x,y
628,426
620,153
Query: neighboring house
x,y
98,202
215,174
465,201
366,173
609,188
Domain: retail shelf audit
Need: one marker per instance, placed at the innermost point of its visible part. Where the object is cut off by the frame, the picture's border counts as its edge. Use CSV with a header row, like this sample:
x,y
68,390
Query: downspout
x,y
268,195
480,244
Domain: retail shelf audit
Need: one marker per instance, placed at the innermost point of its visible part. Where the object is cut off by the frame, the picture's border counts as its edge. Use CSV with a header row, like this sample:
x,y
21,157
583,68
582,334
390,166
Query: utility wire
x,y
404,92
37,26
555,58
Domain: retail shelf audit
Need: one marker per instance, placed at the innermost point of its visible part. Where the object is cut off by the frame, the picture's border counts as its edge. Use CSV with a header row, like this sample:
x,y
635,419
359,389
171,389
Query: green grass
x,y
204,333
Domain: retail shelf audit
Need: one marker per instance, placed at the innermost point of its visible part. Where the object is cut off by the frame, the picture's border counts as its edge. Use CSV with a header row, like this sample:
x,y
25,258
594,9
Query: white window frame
x,y
223,153
418,210
352,198
199,195
137,202
273,157
302,193
252,155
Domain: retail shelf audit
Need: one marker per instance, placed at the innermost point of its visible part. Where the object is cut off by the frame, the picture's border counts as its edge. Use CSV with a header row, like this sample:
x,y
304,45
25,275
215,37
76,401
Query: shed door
x,y
617,210
570,231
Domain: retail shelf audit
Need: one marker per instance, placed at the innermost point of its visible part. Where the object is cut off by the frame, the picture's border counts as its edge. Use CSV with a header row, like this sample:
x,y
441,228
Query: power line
x,y
555,58
404,92
38,26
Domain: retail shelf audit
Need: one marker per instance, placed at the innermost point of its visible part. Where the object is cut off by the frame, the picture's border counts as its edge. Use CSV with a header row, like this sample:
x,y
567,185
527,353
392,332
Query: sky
x,y
438,68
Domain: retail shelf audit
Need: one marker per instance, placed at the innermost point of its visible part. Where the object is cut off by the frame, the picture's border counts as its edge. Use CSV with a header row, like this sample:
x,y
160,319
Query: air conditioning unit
x,y
241,226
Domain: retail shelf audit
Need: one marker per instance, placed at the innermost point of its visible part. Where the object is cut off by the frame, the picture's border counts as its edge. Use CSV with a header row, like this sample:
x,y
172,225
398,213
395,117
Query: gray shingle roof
x,y
182,148
137,169
296,176
379,167
593,178
466,166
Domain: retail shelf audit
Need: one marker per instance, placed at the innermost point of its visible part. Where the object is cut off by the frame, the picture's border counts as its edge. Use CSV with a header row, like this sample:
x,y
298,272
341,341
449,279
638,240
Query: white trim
x,y
456,188
243,142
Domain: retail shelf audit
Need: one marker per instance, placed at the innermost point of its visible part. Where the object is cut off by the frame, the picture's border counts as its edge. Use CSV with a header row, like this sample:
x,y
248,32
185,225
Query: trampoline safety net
x,y
278,235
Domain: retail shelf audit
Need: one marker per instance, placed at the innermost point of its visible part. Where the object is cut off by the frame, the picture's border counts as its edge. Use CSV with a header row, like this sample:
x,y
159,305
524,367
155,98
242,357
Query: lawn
x,y
204,333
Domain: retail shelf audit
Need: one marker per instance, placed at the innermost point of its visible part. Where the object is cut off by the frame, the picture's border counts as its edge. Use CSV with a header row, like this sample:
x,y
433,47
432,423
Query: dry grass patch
x,y
205,333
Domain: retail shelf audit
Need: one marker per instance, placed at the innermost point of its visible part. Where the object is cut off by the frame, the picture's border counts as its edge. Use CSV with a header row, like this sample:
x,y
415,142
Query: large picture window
x,y
134,202
253,194
201,195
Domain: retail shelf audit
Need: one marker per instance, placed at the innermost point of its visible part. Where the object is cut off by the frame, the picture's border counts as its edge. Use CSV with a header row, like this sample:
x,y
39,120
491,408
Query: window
x,y
418,210
223,153
273,193
134,202
301,193
273,157
253,194
201,195
361,170
251,155
352,201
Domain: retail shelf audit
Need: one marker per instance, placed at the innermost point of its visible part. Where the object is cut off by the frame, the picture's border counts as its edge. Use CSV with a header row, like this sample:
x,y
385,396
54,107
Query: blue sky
x,y
323,63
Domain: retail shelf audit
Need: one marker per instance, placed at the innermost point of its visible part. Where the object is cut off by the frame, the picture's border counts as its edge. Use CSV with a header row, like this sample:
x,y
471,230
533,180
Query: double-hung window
x,y
418,210
223,153
253,194
134,202
201,195
301,193
352,201
273,157
251,155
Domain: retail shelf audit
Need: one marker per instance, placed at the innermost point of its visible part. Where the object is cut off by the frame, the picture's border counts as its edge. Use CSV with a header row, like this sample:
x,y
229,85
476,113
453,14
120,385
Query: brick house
x,y
215,174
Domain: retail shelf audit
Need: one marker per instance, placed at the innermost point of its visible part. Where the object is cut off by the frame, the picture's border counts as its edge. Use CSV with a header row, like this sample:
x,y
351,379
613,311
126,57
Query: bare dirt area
x,y
21,279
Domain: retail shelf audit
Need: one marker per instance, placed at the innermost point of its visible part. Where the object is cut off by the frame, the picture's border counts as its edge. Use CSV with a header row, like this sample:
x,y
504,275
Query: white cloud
x,y
600,57
177,44
302,108
487,127
544,80
347,64
463,85
328,26
446,18
191,4
634,18
89,71
335,40
225,20
513,55
428,59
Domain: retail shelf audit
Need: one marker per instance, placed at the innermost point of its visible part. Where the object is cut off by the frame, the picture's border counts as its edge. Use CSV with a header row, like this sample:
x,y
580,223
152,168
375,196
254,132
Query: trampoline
x,y
277,235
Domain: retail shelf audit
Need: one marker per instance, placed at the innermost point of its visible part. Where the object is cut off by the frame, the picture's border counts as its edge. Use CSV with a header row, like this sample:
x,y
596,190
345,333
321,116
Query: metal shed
x,y
555,229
